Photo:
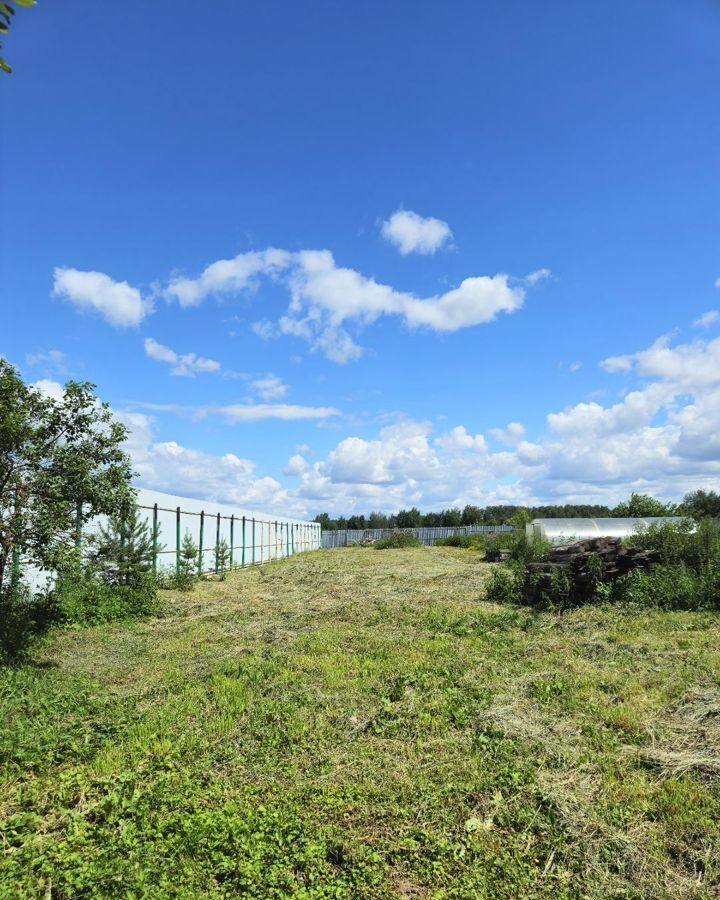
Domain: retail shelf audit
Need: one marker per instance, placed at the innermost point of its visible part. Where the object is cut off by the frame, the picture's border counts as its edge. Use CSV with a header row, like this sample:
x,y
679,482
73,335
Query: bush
x,y
81,597
682,543
402,541
22,617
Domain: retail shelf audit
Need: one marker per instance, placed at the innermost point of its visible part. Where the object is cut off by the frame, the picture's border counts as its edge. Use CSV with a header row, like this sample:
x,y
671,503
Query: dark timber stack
x,y
586,563
496,554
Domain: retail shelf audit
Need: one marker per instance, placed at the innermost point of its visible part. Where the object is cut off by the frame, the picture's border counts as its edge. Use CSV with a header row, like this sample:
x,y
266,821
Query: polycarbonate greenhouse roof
x,y
560,531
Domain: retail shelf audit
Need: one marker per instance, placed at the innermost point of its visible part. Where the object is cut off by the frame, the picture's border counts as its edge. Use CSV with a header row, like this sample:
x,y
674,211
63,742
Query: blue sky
x,y
479,214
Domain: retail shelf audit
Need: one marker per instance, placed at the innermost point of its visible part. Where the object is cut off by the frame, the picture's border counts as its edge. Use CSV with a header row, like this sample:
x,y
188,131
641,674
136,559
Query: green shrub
x,y
401,541
526,550
505,585
81,597
694,545
22,617
672,587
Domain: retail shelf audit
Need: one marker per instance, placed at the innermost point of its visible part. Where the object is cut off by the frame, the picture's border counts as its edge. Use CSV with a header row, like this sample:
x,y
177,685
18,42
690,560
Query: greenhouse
x,y
562,531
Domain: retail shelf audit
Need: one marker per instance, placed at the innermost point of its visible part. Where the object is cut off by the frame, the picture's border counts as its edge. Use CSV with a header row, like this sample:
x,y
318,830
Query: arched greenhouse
x,y
564,531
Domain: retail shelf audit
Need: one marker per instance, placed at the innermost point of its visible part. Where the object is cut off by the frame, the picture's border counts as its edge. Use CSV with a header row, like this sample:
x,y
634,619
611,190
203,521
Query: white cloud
x,y
412,233
717,282
538,275
325,298
459,439
270,387
575,366
663,438
511,434
187,364
235,413
117,302
52,359
49,388
255,412
227,275
707,318
296,465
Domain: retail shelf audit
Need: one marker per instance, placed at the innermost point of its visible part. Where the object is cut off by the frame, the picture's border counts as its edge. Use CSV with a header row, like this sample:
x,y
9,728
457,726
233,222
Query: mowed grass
x,y
353,723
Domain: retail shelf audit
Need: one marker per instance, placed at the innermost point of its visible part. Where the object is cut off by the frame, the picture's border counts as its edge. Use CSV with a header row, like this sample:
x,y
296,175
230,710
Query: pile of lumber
x,y
587,562
497,554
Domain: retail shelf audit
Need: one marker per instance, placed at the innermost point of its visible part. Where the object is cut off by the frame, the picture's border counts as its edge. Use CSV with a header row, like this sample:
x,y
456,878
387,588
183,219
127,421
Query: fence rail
x,y
251,540
426,536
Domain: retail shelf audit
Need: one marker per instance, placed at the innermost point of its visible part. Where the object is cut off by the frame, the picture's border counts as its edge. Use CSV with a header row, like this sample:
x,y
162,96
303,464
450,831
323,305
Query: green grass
x,y
363,725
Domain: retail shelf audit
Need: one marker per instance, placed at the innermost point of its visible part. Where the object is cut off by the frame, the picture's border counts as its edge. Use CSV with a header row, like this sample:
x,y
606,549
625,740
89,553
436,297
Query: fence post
x,y
217,543
243,543
155,539
253,540
202,537
177,541
232,538
276,540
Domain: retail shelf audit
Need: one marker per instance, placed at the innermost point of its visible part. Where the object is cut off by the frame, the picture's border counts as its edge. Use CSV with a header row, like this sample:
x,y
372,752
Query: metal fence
x,y
426,536
250,540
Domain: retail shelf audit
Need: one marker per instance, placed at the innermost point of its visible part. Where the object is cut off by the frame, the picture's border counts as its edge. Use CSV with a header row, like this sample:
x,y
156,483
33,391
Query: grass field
x,y
354,723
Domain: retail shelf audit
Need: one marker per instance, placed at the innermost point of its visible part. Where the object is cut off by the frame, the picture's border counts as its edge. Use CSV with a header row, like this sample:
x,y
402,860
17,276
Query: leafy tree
x,y
520,518
6,17
124,549
409,518
642,505
325,522
452,518
61,464
472,515
701,504
377,520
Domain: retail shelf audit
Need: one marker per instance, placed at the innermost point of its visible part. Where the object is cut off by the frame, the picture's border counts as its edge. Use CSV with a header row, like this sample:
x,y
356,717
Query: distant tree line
x,y
699,504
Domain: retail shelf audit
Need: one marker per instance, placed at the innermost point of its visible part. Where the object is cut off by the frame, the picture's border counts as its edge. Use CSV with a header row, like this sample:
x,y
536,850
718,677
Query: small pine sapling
x,y
222,557
124,549
188,567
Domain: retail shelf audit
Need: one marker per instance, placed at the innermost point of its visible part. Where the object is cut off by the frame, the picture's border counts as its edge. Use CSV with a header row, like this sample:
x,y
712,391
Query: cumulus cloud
x,y
412,233
228,276
49,388
222,478
296,465
117,302
324,298
511,434
185,364
662,437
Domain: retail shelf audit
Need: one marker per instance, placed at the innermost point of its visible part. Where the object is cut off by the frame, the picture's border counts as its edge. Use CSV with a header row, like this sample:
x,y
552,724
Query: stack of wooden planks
x,y
585,563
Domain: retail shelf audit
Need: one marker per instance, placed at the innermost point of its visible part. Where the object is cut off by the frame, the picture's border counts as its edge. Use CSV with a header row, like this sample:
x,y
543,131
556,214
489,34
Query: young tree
x,y
61,464
188,564
124,548
222,557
